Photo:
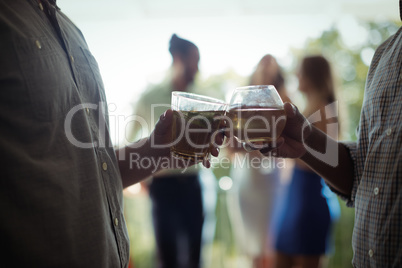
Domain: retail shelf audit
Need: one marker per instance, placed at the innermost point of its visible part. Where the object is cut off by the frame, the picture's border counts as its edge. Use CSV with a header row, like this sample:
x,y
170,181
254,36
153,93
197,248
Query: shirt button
x,y
41,6
376,190
371,253
116,221
86,109
389,131
104,166
72,58
38,45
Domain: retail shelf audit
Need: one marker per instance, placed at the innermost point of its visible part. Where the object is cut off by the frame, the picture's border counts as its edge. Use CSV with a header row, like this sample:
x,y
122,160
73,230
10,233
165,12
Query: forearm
x,y
139,162
335,164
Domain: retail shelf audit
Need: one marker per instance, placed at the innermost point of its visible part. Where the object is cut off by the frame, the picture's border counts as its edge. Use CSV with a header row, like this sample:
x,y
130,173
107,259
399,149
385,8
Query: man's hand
x,y
156,148
300,134
291,142
160,139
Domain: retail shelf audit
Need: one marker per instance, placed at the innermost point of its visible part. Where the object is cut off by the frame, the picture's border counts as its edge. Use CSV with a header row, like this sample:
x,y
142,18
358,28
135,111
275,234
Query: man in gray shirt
x,y
62,181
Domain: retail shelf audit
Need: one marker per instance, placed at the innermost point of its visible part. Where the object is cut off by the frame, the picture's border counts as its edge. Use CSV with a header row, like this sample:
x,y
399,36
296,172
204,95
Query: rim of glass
x,y
256,87
197,97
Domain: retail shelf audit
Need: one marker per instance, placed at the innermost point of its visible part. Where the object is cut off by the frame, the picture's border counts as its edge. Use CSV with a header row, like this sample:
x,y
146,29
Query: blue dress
x,y
305,220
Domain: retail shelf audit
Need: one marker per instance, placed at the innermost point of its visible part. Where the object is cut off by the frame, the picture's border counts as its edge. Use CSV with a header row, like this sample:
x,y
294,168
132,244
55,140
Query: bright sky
x,y
129,38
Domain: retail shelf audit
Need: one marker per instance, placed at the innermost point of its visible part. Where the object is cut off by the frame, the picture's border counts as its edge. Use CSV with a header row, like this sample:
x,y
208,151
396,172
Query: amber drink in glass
x,y
195,119
257,114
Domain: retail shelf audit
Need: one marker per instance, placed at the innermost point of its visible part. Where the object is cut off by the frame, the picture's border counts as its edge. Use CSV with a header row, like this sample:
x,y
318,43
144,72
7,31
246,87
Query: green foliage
x,y
342,235
350,66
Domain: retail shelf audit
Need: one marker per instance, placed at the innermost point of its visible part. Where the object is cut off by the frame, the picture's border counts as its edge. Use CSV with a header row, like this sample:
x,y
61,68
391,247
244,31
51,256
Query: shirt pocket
x,y
92,79
47,76
96,86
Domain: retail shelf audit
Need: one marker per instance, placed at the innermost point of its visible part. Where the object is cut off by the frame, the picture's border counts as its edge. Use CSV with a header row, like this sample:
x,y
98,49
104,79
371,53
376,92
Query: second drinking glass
x,y
195,119
257,114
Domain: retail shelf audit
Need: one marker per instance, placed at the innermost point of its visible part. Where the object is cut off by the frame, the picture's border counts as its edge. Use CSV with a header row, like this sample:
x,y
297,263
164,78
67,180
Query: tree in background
x,y
350,61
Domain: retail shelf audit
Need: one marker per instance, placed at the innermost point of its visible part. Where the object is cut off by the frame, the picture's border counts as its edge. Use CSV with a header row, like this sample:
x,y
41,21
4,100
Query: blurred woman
x,y
309,208
268,72
252,198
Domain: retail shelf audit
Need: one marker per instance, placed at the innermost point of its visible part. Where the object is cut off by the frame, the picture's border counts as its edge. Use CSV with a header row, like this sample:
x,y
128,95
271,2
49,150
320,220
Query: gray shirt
x,y
60,187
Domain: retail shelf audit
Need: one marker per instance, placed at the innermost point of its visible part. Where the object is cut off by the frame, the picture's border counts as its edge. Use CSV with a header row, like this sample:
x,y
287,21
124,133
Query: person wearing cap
x,y
176,195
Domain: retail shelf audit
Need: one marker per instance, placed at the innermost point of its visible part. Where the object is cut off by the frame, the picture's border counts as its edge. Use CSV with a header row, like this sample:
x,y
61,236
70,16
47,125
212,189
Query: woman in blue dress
x,y
309,207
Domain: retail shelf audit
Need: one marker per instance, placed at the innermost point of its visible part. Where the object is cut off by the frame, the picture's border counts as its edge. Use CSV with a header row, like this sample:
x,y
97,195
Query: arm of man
x,y
156,148
340,176
298,134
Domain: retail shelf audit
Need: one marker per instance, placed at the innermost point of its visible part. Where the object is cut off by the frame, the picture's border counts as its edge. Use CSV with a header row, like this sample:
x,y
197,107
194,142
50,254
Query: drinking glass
x,y
195,119
257,114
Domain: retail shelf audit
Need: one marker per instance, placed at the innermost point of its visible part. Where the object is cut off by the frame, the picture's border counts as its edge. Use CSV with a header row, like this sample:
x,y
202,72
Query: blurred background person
x,y
252,198
177,208
309,208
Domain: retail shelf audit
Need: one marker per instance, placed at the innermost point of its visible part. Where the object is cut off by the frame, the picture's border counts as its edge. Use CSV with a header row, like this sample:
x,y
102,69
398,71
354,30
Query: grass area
x,y
222,252
342,257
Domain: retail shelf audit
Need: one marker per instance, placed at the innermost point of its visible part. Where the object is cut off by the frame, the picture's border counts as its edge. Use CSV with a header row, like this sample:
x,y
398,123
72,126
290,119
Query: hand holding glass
x,y
257,114
195,119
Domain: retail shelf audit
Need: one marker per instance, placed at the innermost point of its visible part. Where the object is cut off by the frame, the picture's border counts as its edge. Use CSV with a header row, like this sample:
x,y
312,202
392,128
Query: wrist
x,y
155,149
305,156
